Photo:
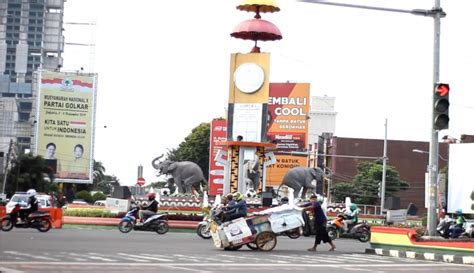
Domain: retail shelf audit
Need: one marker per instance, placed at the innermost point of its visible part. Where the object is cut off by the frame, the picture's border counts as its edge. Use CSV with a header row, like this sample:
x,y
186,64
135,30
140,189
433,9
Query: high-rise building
x,y
31,37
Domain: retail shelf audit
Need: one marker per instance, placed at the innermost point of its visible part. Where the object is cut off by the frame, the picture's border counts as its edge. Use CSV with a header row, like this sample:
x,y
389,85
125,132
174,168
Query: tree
x,y
98,173
195,148
472,198
105,185
369,175
343,190
29,172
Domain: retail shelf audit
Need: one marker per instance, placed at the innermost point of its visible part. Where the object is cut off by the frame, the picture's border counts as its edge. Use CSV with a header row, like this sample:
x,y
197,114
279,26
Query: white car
x,y
22,199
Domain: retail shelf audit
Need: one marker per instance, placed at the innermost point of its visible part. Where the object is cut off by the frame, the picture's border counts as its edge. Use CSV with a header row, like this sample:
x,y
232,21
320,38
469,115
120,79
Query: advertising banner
x,y
65,124
461,178
288,110
216,170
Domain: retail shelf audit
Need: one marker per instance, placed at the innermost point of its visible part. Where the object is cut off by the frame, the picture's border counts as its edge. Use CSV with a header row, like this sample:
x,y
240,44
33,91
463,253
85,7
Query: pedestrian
x,y
320,222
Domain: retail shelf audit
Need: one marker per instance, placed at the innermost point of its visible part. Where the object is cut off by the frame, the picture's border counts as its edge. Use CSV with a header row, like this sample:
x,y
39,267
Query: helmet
x,y
238,196
229,196
31,192
353,207
151,196
459,211
320,198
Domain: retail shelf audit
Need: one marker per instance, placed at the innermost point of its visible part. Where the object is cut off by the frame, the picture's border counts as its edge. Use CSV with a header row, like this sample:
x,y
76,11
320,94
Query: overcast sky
x,y
164,68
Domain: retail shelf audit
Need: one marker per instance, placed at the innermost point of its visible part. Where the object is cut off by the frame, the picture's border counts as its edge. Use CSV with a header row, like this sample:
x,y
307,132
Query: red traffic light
x,y
442,89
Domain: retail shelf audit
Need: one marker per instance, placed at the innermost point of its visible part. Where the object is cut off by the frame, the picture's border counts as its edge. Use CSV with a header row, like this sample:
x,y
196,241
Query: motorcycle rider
x,y
456,229
237,210
32,205
149,210
352,216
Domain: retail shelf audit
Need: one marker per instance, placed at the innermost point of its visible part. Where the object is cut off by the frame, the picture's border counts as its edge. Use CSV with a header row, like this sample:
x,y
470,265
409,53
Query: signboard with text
x,y
288,108
65,124
216,170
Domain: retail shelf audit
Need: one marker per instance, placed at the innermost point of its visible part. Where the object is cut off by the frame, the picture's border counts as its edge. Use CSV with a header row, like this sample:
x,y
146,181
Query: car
x,y
100,203
44,201
79,202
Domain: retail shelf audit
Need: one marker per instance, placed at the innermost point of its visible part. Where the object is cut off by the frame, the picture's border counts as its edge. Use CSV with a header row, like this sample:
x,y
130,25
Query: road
x,y
98,250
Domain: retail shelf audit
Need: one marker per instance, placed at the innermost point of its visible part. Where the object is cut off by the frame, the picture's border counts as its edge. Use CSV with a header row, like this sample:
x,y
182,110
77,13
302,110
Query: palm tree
x,y
98,173
28,172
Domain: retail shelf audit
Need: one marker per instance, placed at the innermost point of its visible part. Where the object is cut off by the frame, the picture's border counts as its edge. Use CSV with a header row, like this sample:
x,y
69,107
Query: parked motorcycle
x,y
157,223
41,220
359,231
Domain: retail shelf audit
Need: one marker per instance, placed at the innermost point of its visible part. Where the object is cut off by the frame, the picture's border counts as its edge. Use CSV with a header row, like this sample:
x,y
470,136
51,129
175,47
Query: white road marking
x,y
94,256
145,257
349,256
30,256
250,265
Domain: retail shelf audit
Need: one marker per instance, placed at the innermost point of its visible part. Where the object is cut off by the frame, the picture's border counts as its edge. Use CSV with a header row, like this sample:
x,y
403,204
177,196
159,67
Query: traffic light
x,y
441,106
379,193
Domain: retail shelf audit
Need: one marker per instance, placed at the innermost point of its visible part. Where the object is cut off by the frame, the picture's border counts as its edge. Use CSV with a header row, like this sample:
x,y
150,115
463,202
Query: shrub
x,y
85,195
86,212
98,196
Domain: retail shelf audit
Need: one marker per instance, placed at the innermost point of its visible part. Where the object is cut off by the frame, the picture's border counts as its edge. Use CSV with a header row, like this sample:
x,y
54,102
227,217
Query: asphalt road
x,y
107,250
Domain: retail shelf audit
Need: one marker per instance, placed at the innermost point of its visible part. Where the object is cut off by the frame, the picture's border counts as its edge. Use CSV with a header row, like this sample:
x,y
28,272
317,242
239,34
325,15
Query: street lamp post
x,y
437,13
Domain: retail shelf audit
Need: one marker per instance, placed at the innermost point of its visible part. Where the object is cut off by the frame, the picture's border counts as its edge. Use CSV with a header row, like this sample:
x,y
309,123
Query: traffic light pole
x,y
437,13
434,145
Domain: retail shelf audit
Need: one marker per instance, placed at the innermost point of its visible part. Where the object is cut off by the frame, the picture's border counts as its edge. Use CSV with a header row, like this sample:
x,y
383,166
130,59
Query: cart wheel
x,y
232,248
266,241
252,246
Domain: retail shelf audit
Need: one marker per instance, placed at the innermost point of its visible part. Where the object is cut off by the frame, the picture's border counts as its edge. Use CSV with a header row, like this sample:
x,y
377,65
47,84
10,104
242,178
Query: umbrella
x,y
258,6
256,30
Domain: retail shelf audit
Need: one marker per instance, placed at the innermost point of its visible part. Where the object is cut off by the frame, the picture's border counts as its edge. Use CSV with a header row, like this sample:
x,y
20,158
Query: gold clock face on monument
x,y
249,77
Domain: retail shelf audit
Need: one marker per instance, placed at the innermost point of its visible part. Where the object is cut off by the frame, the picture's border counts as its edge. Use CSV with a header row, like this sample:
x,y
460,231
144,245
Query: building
x,y
410,165
322,118
31,37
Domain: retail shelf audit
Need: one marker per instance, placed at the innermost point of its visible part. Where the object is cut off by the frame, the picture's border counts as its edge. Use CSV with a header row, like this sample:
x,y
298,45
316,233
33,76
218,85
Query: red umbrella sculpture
x,y
256,30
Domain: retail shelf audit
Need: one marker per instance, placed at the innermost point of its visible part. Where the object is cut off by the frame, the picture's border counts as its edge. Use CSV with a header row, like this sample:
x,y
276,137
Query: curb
x,y
114,221
457,259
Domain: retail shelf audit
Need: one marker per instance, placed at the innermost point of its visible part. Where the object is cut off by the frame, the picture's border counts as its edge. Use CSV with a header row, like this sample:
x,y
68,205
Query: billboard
x,y
288,109
461,178
216,170
65,124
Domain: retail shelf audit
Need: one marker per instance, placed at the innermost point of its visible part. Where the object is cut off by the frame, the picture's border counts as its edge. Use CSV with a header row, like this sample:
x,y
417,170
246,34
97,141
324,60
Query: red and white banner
x,y
216,170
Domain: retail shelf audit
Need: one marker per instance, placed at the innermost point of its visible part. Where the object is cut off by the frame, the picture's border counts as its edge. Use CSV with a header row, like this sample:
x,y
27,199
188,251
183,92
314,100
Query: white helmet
x,y
31,192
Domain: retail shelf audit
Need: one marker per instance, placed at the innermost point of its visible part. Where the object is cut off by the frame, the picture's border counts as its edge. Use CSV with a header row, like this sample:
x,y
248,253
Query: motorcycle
x,y
443,227
203,229
41,220
359,231
157,223
446,225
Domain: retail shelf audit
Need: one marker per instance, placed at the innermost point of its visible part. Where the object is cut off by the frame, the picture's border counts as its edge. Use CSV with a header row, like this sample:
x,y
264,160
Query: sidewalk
x,y
99,221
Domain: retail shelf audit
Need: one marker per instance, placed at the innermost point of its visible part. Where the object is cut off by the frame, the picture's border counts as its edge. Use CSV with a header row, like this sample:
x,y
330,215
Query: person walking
x,y
320,222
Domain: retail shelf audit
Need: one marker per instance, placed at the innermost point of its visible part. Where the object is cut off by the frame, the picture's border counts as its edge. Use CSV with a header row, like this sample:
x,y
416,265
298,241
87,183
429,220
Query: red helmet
x,y
151,196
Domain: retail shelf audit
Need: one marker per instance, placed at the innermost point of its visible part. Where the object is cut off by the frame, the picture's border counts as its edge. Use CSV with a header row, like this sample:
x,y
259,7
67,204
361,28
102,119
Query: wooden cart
x,y
258,231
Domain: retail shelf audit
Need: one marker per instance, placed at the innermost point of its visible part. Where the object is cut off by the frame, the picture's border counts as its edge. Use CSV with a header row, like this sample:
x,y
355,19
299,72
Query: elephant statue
x,y
252,176
299,178
186,174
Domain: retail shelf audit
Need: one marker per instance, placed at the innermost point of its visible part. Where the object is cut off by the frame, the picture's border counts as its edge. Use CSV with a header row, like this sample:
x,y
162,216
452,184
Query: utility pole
x,y
384,171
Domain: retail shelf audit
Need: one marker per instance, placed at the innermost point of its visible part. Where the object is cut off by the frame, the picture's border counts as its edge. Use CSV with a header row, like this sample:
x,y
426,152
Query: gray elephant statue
x,y
299,178
252,174
186,174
